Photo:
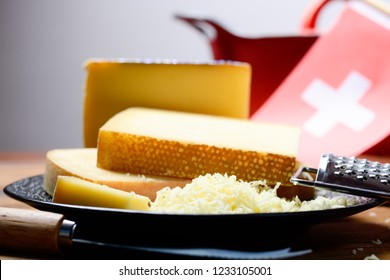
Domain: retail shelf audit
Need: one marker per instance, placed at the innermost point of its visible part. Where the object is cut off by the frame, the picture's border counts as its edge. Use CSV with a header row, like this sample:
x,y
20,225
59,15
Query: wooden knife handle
x,y
30,230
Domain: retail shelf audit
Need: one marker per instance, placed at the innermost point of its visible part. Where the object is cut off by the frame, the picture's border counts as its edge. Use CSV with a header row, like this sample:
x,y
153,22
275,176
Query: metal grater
x,y
348,175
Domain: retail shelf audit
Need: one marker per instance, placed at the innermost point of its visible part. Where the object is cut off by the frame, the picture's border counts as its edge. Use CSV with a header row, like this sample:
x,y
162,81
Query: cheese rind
x,y
187,145
72,190
81,163
215,88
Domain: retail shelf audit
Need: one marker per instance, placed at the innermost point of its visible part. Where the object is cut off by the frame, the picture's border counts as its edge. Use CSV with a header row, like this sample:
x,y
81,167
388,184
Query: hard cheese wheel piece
x,y
81,163
187,145
72,190
215,88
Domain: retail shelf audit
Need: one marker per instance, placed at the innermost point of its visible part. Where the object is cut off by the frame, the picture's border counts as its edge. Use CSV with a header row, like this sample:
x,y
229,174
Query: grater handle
x,y
297,179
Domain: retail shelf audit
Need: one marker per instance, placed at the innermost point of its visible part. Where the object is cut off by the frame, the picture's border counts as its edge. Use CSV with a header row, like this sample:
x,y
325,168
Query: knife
x,y
51,233
35,231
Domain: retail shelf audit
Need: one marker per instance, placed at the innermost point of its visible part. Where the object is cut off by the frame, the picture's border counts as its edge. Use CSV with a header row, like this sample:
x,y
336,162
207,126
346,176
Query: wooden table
x,y
355,237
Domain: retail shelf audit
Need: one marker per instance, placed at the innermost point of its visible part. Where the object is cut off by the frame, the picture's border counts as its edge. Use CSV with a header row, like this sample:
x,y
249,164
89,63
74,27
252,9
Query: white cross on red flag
x,y
339,93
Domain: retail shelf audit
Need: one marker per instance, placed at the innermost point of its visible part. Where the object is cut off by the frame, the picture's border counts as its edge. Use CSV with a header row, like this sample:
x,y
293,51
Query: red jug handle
x,y
310,18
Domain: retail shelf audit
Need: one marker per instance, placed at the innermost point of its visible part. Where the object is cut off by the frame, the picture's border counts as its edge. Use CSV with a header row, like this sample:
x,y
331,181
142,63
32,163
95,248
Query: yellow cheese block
x,y
216,88
187,145
81,163
72,190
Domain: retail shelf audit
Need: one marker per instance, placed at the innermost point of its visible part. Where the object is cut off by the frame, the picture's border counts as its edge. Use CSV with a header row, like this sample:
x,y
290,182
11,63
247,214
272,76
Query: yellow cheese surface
x,y
215,88
187,145
76,191
81,163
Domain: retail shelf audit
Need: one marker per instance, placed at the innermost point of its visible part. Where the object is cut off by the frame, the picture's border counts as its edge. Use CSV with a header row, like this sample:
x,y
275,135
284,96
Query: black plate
x,y
260,230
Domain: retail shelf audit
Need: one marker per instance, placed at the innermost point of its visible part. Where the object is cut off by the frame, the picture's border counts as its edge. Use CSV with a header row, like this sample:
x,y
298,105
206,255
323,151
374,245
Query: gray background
x,y
43,45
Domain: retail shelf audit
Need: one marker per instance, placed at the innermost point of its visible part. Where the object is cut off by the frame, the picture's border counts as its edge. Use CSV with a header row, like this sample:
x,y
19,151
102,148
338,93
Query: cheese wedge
x,y
215,88
72,190
81,163
187,145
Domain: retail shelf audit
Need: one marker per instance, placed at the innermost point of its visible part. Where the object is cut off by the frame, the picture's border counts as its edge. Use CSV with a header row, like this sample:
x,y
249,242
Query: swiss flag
x,y
339,93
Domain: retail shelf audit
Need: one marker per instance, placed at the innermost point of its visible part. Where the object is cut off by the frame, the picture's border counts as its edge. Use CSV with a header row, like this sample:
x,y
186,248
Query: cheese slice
x,y
215,88
72,190
81,163
187,145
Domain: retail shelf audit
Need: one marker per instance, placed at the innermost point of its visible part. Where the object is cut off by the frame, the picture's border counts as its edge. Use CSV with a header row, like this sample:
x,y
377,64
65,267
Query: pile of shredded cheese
x,y
222,194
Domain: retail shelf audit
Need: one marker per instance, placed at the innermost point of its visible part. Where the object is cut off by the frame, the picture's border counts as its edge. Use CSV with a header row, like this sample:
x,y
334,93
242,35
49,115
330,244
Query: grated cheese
x,y
372,257
372,214
377,242
217,194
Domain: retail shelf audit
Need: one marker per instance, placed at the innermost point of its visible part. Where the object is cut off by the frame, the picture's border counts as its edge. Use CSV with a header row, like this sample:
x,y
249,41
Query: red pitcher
x,y
271,58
